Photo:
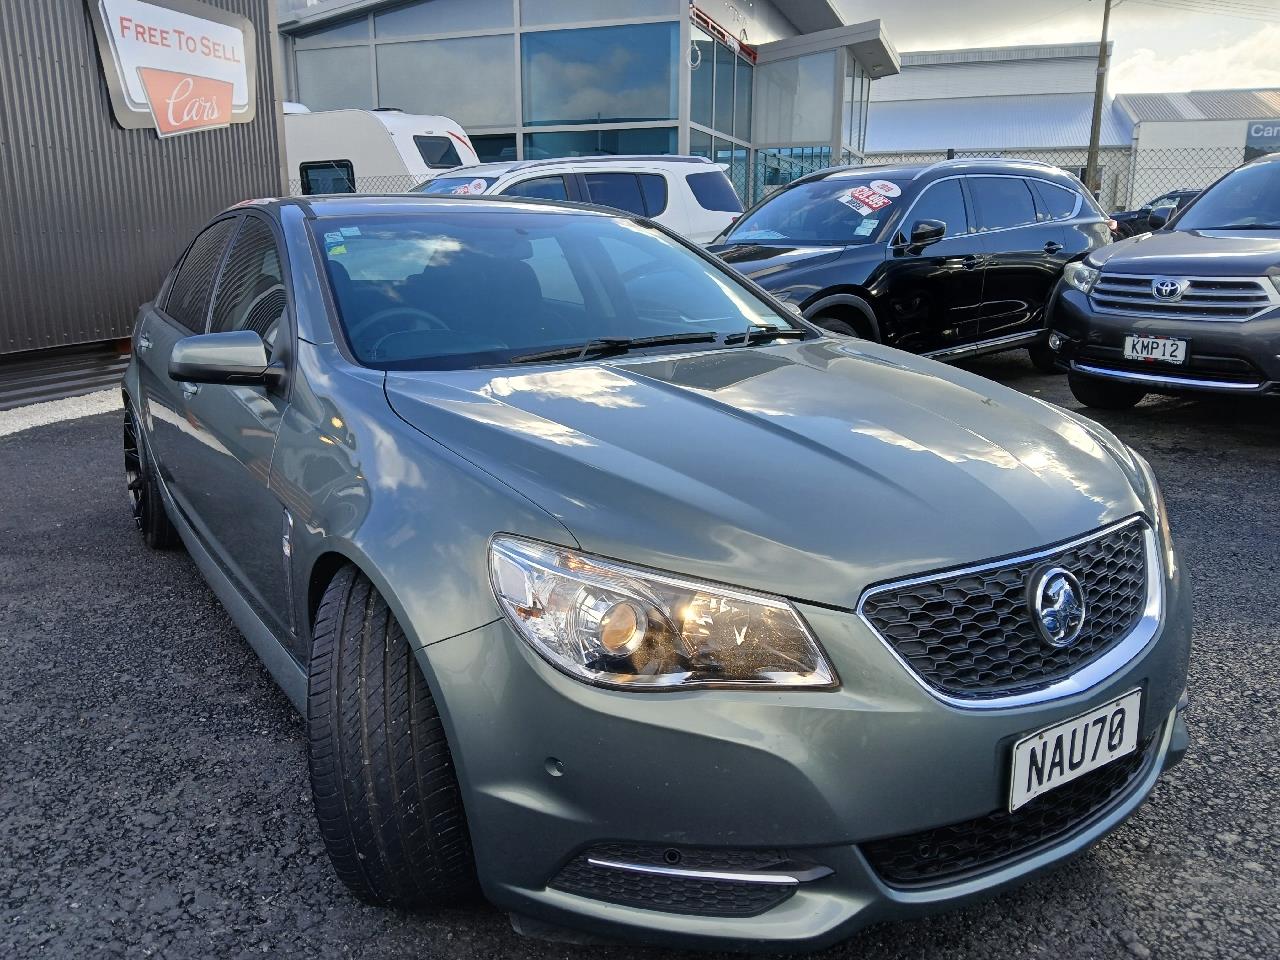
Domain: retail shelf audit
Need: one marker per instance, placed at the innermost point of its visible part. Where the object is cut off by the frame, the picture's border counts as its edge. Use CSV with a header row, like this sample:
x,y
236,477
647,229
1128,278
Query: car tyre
x,y
1042,358
1104,394
145,499
383,782
835,325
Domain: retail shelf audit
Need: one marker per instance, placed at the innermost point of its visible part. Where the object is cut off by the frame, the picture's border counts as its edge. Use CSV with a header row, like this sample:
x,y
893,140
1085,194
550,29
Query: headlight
x,y
1153,497
612,624
1080,276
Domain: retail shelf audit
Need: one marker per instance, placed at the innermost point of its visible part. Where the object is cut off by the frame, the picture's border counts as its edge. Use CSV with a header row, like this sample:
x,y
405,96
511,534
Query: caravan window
x,y
327,176
438,153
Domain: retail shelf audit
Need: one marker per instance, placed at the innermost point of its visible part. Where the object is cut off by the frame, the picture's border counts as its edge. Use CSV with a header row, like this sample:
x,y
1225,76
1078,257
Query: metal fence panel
x,y
93,215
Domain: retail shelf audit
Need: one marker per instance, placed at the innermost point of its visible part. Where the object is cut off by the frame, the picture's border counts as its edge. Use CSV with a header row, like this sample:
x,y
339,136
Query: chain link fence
x,y
388,184
1129,178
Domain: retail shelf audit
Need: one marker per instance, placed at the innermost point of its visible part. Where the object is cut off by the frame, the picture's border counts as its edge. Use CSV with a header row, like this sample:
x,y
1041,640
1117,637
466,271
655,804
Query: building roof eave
x,y
866,42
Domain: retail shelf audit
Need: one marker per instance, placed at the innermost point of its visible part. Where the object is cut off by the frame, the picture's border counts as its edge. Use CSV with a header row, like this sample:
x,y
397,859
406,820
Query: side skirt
x,y
284,669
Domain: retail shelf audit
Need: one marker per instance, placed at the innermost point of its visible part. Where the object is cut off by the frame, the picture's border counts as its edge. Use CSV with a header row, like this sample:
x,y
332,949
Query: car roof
x,y
926,172
321,206
499,167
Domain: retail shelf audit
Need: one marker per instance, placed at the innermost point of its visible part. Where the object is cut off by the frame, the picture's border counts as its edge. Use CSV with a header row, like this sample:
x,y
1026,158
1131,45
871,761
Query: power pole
x,y
1091,179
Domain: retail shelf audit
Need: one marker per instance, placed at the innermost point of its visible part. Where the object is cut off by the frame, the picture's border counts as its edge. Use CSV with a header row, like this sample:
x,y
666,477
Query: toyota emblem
x,y
1167,288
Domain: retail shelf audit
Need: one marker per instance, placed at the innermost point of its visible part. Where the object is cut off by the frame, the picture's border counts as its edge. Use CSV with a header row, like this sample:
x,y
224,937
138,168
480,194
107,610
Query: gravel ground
x,y
154,795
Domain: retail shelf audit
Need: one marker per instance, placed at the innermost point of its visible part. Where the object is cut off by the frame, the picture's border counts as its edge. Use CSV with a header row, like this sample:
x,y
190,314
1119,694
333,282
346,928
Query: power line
x,y
1235,9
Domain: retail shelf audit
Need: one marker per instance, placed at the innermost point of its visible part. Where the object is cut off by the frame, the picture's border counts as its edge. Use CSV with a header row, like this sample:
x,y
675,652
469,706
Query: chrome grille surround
x,y
1091,672
1231,299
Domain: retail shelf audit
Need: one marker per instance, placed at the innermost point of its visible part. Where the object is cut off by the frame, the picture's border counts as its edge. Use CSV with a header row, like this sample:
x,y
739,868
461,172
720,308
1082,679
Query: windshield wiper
x,y
764,335
602,346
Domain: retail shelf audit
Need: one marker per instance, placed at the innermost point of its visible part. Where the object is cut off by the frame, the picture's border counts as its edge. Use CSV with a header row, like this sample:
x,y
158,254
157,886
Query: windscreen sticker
x,y
478,185
886,187
866,228
334,237
350,231
462,190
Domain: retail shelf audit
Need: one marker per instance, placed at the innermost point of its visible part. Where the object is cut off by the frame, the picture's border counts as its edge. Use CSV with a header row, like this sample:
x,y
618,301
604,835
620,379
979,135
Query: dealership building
x,y
769,88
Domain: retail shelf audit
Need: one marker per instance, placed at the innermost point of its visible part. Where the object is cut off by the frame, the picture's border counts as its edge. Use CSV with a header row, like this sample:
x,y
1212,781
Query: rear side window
x,y
250,293
618,190
188,300
713,191
654,188
1002,202
437,152
543,188
943,201
1058,203
327,176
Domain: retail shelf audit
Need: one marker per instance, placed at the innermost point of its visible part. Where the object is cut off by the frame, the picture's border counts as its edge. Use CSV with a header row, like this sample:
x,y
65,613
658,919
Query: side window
x,y
328,176
1002,202
713,191
618,190
943,201
551,268
250,294
1058,203
438,153
544,188
188,300
654,188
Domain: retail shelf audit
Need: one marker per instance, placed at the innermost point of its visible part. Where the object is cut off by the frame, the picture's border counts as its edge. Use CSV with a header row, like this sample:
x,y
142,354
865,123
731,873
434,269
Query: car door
x,y
933,292
231,431
545,187
1023,255
184,310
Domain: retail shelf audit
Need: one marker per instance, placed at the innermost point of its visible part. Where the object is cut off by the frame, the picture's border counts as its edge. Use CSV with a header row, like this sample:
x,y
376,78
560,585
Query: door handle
x,y
189,390
1052,246
144,343
971,262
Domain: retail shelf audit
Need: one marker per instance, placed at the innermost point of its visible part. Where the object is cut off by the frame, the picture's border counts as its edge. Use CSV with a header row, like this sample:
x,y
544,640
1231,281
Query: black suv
x,y
950,259
1191,307
1131,222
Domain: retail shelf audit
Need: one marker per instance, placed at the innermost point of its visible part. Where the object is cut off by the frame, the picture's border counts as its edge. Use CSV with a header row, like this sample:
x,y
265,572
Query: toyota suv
x,y
690,195
948,260
1193,306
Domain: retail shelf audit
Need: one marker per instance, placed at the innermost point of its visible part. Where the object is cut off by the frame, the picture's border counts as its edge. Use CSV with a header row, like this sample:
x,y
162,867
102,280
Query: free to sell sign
x,y
178,66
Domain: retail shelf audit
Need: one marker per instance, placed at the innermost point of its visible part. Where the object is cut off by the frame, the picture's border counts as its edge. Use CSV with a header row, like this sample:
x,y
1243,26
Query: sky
x,y
1157,48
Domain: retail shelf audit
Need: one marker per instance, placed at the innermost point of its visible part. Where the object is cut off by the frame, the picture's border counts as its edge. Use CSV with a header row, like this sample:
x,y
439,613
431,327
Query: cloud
x,y
1249,62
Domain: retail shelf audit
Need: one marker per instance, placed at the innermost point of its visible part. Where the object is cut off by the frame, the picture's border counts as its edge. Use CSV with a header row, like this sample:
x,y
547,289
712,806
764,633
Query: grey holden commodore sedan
x,y
613,590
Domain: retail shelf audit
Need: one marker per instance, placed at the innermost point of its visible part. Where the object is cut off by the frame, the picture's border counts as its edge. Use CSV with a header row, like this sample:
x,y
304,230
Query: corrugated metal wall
x,y
91,216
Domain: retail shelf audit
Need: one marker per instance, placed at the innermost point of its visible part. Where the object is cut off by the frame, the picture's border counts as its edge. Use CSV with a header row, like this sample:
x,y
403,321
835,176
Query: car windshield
x,y
1245,199
463,286
833,212
456,185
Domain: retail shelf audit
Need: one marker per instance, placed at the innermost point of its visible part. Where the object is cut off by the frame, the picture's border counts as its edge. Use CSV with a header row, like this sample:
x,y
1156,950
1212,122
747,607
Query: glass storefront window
x,y
334,78
723,118
742,101
444,16
540,13
440,77
345,32
600,74
702,78
586,143
798,99
699,144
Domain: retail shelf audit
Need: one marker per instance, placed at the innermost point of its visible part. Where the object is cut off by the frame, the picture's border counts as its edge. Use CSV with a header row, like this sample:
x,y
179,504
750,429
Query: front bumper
x,y
1228,357
551,767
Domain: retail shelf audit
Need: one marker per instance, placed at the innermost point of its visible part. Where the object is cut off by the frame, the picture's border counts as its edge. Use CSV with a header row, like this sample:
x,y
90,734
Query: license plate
x,y
1164,349
1061,753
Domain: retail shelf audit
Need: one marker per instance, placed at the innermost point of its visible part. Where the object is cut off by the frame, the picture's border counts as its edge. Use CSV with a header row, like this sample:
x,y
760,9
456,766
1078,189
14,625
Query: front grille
x,y
970,634
1204,298
689,895
951,853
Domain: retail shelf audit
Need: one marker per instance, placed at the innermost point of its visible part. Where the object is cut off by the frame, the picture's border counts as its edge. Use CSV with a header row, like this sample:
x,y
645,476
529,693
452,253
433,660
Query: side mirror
x,y
1159,216
235,357
925,232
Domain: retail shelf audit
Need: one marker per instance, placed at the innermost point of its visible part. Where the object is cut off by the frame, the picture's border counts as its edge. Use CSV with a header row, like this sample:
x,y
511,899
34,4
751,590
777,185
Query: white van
x,y
690,195
369,151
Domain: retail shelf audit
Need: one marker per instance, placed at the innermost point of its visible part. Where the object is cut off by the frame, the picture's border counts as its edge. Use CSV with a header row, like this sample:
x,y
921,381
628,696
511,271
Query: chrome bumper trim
x,y
789,878
1185,382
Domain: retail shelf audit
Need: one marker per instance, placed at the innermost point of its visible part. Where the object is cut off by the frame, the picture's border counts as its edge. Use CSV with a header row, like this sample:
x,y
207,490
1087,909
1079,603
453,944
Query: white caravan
x,y
369,151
